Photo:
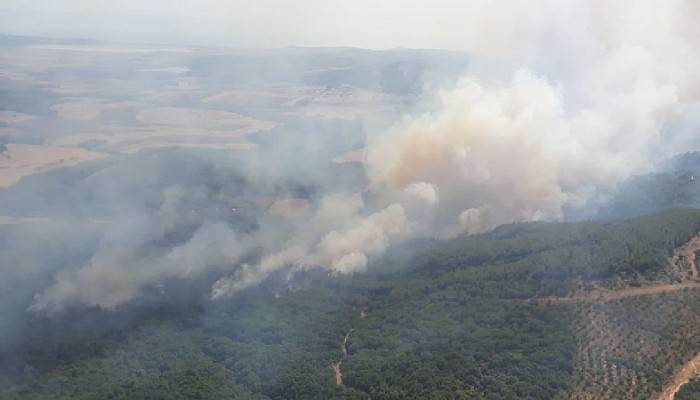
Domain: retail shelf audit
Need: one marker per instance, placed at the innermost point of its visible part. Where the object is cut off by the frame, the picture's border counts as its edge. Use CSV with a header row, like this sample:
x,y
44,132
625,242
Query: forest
x,y
437,319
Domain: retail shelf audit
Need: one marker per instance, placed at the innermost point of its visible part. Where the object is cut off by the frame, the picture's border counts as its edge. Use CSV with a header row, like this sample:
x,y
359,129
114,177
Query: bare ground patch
x,y
233,146
86,110
158,136
14,117
202,118
24,159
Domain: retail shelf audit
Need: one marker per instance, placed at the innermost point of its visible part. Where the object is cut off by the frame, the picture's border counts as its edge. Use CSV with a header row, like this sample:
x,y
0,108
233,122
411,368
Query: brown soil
x,y
338,373
27,159
344,353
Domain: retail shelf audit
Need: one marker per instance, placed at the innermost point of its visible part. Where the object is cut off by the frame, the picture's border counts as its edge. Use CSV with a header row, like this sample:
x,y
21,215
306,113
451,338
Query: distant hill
x,y
675,183
398,71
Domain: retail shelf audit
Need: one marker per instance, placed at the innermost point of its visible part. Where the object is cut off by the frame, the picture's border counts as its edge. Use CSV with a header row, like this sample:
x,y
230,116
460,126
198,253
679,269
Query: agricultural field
x,y
79,101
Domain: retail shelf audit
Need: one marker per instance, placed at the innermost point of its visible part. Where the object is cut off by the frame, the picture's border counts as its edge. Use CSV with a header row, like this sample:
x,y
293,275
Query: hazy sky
x,y
259,23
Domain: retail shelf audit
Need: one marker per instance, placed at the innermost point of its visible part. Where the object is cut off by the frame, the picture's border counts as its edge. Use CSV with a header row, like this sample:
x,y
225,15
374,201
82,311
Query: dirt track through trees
x,y
610,295
337,370
338,373
689,371
343,353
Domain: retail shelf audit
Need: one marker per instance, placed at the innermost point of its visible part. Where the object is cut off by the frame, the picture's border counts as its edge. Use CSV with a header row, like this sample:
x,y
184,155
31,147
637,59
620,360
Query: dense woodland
x,y
450,319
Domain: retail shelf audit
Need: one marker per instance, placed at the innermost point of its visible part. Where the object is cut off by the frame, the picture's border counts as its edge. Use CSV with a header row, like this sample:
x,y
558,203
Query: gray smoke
x,y
570,100
561,103
583,95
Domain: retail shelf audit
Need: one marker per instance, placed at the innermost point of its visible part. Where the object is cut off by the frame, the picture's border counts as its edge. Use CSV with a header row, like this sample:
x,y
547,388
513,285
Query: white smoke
x,y
116,274
346,251
564,100
421,195
513,149
337,238
250,275
556,126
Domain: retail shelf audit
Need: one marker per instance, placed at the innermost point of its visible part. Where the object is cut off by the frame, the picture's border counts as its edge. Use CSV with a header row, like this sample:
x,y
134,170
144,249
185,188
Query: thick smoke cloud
x,y
147,248
118,272
575,103
337,237
506,153
571,100
564,100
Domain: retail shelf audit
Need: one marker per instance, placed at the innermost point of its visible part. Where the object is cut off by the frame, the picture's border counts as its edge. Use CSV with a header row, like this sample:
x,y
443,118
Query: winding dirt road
x,y
683,261
681,377
343,353
610,295
338,373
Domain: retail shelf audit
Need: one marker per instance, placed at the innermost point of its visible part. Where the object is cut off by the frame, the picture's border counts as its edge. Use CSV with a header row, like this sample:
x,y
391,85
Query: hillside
x,y
470,318
673,183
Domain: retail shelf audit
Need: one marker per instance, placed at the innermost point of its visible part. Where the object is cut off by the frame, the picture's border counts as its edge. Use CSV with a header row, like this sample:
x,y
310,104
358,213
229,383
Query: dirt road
x,y
338,373
610,295
682,376
343,353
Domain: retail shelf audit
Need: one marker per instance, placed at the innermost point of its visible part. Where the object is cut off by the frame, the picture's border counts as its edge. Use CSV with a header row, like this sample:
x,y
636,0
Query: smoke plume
x,y
572,99
580,96
562,101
